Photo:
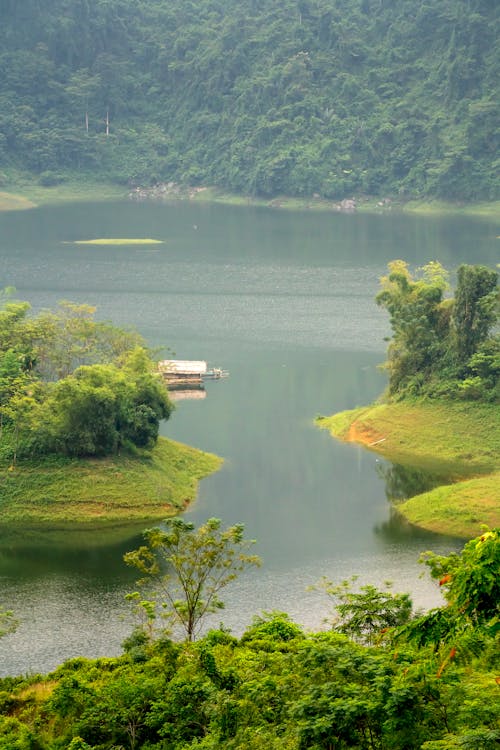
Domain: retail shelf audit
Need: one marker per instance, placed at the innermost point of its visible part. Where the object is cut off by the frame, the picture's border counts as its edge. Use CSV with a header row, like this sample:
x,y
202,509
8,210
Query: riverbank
x,y
93,493
20,193
458,440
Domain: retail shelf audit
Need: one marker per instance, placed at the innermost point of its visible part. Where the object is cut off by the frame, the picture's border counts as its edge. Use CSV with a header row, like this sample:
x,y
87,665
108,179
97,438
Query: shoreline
x,y
103,493
25,194
455,441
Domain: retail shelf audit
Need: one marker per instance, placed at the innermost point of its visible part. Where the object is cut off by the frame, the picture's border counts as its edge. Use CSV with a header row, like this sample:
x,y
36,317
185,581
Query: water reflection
x,y
188,394
77,555
403,482
396,530
286,301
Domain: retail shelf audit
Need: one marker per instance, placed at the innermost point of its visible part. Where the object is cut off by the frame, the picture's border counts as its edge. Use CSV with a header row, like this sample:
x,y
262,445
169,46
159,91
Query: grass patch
x,y
114,241
96,492
364,204
74,192
13,202
458,440
490,210
462,436
457,509
25,193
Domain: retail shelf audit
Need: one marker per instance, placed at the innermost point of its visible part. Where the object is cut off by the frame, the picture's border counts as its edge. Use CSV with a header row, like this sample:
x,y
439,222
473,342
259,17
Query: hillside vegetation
x,y
61,492
381,678
80,409
441,411
259,97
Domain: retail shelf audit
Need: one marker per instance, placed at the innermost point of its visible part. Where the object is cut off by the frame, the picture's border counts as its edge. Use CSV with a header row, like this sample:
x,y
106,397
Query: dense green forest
x,y
442,345
298,97
71,386
379,678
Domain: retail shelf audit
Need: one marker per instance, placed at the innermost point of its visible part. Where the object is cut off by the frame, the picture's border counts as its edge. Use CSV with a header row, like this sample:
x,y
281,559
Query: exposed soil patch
x,y
362,433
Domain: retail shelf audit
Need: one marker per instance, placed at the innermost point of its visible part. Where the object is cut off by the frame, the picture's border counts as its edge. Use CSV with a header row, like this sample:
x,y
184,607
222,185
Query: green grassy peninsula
x,y
81,402
120,489
457,440
441,415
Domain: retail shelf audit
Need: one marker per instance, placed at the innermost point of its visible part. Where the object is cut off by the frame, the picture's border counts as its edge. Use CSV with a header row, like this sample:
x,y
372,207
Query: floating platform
x,y
181,373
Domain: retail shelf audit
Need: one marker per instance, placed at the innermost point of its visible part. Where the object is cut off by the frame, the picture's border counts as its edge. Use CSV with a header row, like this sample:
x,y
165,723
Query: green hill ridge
x,y
260,97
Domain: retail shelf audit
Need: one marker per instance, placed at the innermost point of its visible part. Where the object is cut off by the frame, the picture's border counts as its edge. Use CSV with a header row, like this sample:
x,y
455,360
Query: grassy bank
x,y
123,489
364,204
14,202
489,210
22,191
460,440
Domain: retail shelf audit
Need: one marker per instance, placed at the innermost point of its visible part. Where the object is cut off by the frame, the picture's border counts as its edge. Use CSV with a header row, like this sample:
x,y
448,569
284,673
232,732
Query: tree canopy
x,y
442,345
74,386
280,688
259,97
187,568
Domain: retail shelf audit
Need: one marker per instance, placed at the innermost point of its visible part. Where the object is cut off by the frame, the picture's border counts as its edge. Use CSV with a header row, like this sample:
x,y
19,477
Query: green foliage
x,y
199,563
442,347
471,586
8,622
73,386
257,97
277,687
15,735
475,309
99,409
470,581
368,614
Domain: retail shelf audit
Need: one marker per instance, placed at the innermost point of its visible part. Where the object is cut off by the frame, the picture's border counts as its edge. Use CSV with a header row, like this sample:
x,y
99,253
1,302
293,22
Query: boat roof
x,y
183,366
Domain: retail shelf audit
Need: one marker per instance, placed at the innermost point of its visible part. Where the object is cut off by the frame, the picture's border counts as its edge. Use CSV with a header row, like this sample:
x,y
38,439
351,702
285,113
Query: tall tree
x,y
475,309
191,566
442,346
419,321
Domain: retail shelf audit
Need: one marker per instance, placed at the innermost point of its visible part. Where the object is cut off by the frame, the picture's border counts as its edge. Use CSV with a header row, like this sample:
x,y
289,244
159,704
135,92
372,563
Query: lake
x,y
285,302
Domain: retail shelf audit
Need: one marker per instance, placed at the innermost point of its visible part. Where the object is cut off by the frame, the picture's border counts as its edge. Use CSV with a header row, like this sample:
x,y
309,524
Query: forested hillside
x,y
261,97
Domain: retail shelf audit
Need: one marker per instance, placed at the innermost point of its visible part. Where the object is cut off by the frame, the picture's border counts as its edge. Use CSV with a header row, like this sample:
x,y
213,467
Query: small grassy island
x,y
147,485
441,413
80,407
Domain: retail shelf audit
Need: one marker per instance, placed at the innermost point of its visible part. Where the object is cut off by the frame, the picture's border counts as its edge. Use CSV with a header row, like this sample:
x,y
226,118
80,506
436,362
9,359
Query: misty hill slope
x,y
260,97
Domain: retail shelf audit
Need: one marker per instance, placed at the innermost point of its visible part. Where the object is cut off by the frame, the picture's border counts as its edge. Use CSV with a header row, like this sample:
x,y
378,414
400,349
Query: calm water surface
x,y
285,302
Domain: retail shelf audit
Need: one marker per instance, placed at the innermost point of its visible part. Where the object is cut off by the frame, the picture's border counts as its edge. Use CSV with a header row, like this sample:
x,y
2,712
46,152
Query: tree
x,y
474,310
13,380
471,586
442,346
190,567
69,337
116,713
79,417
419,321
470,581
98,409
366,615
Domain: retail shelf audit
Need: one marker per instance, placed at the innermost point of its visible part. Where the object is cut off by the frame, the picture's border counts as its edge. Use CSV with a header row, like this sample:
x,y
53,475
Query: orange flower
x,y
445,579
